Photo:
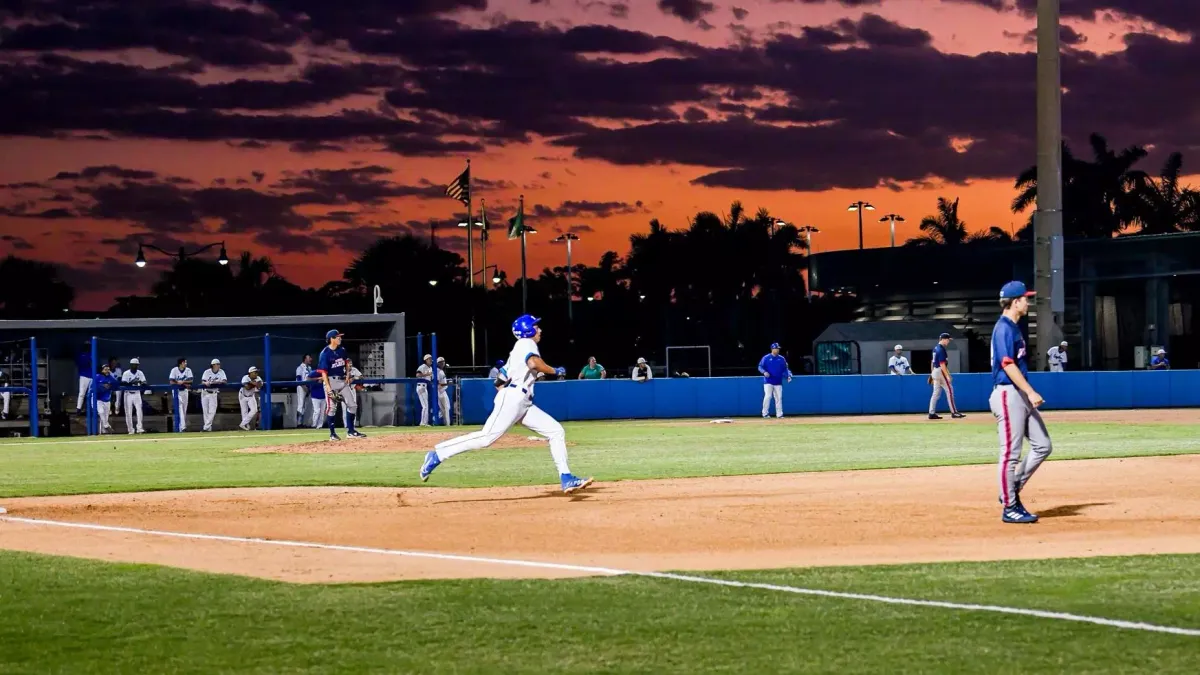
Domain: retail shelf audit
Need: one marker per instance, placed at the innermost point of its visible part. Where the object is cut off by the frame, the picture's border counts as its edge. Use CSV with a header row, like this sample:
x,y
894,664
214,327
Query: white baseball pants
x,y
182,396
85,383
249,406
772,391
444,406
102,414
318,409
423,397
939,383
208,404
133,406
6,396
301,398
510,407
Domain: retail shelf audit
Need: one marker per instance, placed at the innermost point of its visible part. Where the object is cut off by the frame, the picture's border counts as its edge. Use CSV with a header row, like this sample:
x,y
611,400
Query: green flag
x,y
516,224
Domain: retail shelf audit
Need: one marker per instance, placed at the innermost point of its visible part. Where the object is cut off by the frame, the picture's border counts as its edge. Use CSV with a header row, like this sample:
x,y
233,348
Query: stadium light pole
x,y
860,206
894,219
182,254
567,238
809,231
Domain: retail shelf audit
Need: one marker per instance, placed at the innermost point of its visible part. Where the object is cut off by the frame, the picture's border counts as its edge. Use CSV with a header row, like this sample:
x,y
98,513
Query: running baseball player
x,y
1159,361
211,380
443,392
5,396
1015,405
898,363
940,379
332,366
83,364
302,372
105,385
513,404
1058,357
181,377
425,377
248,397
136,378
316,390
773,368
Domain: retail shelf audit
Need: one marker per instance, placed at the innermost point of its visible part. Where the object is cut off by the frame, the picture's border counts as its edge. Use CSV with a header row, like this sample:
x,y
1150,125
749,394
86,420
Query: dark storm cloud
x,y
17,243
109,171
1067,35
586,209
359,185
614,9
688,10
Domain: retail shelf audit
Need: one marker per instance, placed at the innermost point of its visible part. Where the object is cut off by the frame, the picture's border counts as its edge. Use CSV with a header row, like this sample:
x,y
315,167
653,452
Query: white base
x,y
3,510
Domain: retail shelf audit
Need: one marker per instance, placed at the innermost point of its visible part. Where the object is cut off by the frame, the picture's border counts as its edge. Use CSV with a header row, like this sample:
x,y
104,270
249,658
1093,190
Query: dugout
x,y
863,348
375,341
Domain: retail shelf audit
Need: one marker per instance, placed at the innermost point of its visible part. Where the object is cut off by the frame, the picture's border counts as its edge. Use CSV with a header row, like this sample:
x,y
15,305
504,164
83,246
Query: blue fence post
x,y
265,408
93,423
175,405
33,396
435,394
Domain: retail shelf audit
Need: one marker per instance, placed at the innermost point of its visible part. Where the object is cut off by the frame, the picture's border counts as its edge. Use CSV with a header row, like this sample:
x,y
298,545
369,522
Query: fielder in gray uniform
x,y
1015,405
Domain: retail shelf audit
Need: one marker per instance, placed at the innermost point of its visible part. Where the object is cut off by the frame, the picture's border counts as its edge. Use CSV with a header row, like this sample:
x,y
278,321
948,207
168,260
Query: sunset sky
x,y
304,129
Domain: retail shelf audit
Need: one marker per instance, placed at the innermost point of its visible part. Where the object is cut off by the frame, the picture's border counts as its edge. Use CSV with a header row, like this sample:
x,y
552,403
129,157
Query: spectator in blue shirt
x,y
1159,361
773,368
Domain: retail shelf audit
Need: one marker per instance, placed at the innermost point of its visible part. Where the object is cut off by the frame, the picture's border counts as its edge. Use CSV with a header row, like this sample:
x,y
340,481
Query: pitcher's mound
x,y
410,442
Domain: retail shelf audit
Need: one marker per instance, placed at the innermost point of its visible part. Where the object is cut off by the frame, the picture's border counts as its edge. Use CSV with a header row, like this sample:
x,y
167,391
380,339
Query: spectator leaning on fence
x,y
642,371
898,364
1159,361
593,370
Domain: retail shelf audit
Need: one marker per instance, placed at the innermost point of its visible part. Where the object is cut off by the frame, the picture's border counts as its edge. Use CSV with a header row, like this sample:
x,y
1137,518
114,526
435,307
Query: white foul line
x,y
1041,614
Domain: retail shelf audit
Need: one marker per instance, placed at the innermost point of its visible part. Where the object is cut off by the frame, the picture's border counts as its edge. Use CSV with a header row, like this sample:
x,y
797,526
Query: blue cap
x,y
500,364
332,334
1015,289
523,327
944,336
775,345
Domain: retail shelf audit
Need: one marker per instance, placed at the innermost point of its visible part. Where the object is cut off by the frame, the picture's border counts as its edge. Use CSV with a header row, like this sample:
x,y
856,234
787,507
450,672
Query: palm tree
x,y
992,235
1164,205
1098,196
944,227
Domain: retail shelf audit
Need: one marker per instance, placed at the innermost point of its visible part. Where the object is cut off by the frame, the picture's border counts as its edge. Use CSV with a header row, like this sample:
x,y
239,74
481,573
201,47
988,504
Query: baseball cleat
x,y
1017,514
958,416
935,417
431,463
356,434
334,437
571,483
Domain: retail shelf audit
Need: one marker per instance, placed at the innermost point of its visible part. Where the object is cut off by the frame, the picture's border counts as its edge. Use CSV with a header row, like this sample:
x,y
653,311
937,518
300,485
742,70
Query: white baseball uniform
x,y
350,395
443,397
425,373
1058,359
133,399
182,376
898,365
248,400
513,404
116,397
302,372
211,394
6,396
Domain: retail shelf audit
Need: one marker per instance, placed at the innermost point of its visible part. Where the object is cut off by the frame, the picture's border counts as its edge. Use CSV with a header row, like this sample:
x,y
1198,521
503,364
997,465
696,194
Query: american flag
x,y
460,188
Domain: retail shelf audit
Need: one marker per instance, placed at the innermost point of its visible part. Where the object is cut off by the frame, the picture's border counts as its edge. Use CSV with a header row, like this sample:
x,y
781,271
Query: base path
x,y
1088,508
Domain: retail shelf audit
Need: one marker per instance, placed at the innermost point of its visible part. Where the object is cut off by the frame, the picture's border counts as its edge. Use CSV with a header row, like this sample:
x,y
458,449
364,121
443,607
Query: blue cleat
x,y
1017,514
572,483
431,463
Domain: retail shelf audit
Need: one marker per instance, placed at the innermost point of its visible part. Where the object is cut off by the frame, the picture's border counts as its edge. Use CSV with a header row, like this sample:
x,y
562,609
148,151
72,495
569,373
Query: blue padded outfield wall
x,y
712,397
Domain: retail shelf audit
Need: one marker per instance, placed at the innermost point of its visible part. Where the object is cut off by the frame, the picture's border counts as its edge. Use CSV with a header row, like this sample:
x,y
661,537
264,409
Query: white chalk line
x,y
608,571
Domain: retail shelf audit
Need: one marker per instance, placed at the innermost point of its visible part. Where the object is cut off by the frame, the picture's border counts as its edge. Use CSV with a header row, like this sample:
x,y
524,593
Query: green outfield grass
x,y
606,450
65,615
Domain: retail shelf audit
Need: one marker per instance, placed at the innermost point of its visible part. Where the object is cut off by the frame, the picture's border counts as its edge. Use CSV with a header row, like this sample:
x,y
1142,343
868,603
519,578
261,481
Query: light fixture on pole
x,y
894,219
496,278
182,254
433,282
860,206
567,238
775,224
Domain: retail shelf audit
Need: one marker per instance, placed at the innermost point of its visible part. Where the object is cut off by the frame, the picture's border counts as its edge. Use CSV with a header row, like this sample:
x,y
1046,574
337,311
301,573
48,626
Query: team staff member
x,y
940,379
773,368
593,370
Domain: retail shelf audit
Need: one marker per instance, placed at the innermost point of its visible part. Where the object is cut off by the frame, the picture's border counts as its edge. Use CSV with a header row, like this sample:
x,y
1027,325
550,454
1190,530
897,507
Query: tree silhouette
x,y
943,227
1164,206
32,290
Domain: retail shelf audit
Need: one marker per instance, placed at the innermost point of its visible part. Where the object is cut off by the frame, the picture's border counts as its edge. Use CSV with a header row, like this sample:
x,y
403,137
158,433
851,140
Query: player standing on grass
x,y
940,379
513,404
1015,404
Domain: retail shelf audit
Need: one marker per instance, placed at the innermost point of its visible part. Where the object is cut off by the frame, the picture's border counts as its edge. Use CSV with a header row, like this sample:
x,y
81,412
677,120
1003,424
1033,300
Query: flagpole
x,y
483,242
524,281
471,256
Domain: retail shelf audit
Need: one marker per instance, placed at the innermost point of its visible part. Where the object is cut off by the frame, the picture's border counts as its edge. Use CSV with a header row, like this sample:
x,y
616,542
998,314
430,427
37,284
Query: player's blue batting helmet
x,y
775,345
523,327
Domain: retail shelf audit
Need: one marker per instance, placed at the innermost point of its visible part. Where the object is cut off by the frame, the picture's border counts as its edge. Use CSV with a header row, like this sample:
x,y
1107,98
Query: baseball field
x,y
857,544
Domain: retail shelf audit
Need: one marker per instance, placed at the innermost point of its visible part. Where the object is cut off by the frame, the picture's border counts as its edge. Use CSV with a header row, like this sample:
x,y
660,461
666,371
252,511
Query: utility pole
x,y
1048,219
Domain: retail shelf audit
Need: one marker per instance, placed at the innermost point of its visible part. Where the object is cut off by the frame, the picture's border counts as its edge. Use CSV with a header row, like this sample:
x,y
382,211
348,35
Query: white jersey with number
x,y
1058,358
178,375
131,377
210,377
898,365
516,369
